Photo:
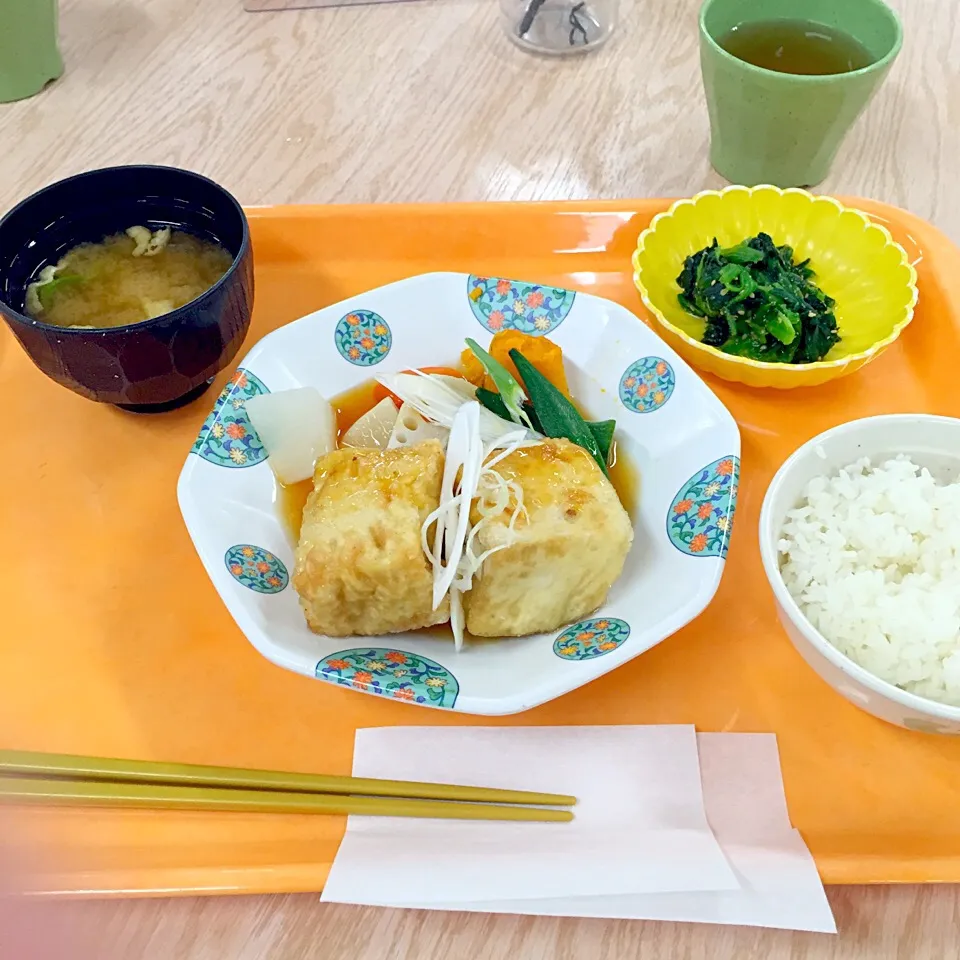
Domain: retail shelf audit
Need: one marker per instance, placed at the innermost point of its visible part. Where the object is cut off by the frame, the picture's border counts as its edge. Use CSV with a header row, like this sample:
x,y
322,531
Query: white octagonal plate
x,y
681,439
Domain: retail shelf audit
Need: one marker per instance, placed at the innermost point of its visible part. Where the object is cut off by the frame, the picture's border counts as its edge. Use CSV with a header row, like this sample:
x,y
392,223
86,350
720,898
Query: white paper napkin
x,y
640,823
747,809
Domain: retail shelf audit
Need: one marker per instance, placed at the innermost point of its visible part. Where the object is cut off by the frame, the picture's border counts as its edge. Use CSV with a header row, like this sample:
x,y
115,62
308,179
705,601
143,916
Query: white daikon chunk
x,y
296,427
373,429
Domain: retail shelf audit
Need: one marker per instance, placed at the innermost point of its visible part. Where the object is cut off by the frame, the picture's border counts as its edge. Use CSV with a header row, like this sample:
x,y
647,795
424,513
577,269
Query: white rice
x,y
872,557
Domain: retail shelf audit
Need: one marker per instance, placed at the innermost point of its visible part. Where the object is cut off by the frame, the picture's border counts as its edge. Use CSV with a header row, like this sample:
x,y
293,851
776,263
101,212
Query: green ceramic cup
x,y
782,128
29,56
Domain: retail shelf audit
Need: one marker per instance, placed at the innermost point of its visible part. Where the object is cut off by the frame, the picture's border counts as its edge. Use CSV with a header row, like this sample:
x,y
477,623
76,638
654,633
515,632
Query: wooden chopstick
x,y
19,763
99,793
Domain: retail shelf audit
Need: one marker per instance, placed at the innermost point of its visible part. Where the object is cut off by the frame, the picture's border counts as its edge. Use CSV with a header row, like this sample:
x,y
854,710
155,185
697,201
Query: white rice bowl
x,y
872,558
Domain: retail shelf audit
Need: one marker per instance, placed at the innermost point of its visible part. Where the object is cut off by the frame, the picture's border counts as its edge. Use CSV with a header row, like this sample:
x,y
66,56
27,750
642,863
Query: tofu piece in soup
x,y
566,556
360,569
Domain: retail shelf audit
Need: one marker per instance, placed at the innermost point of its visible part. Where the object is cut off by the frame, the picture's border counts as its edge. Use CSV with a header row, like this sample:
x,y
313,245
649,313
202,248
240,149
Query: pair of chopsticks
x,y
27,777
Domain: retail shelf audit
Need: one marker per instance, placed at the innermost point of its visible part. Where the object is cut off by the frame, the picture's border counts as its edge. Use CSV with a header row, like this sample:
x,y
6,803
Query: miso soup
x,y
126,278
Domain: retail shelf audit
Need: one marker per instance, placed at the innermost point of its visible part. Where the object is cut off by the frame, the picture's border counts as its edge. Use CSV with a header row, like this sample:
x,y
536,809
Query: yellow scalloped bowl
x,y
856,261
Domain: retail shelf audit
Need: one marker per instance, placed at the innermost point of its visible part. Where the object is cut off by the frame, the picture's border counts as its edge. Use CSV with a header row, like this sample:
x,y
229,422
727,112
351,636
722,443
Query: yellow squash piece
x,y
544,354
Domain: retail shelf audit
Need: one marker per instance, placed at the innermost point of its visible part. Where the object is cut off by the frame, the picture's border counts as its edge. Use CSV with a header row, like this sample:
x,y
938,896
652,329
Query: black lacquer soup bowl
x,y
151,366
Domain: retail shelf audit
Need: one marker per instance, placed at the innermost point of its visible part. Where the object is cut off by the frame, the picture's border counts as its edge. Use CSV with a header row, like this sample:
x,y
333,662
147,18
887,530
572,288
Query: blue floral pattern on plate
x,y
391,673
256,568
501,304
701,514
592,638
227,437
647,385
363,338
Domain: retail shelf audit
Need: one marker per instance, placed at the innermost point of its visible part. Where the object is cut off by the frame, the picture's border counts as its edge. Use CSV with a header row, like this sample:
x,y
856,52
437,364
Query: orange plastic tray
x,y
114,642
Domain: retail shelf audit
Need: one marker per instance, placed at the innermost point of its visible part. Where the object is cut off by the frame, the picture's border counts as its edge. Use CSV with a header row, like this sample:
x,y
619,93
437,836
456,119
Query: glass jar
x,y
558,27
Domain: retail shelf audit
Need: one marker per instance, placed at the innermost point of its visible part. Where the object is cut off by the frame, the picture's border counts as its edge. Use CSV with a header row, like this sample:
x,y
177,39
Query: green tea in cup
x,y
785,80
796,46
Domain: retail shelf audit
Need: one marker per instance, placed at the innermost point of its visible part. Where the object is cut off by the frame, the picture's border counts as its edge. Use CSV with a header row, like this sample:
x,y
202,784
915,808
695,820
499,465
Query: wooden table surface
x,y
428,101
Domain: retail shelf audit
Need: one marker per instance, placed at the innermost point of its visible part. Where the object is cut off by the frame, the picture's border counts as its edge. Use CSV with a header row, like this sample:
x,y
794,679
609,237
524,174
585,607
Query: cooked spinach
x,y
758,303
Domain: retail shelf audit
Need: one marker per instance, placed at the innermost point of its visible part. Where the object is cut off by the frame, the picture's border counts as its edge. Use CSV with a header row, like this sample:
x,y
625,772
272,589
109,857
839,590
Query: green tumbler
x,y
29,56
785,128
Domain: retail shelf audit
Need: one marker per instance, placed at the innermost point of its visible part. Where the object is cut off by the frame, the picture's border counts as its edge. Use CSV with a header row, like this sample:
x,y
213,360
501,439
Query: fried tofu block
x,y
565,557
360,569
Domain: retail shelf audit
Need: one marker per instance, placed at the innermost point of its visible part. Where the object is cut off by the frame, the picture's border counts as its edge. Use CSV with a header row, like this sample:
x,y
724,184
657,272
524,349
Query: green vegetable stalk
x,y
511,393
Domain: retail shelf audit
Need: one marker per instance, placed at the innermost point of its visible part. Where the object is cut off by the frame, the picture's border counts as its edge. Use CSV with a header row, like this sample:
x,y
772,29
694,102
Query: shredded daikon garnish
x,y
471,565
469,475
456,618
493,498
478,441
438,398
464,460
